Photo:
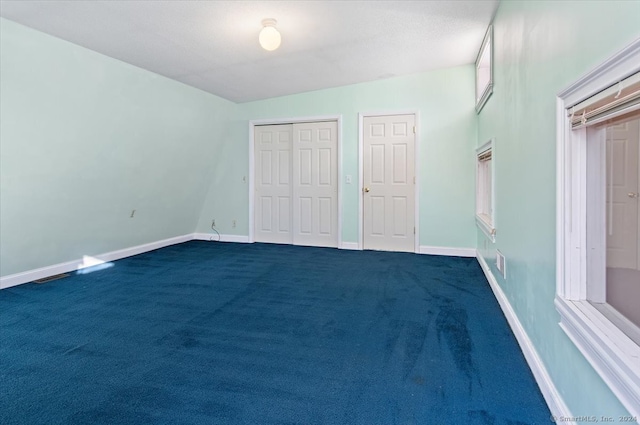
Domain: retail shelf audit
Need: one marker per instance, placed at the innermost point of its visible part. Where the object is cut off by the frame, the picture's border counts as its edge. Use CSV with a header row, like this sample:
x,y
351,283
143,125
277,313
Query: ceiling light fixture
x,y
269,36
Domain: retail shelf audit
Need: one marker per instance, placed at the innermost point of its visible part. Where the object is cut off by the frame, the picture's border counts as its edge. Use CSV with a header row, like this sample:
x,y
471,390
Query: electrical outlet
x,y
233,224
348,179
213,223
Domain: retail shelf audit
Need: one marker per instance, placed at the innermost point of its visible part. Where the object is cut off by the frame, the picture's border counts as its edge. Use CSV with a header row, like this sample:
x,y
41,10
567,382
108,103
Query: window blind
x,y
484,156
617,100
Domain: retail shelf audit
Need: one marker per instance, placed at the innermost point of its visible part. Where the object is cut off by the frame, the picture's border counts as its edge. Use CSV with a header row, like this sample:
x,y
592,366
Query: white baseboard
x,y
222,238
234,238
551,395
31,275
128,252
433,250
451,252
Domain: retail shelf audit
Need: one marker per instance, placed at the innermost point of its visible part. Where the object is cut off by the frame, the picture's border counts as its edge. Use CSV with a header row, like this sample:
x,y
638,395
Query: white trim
x,y
350,246
69,266
484,222
340,180
31,275
486,227
450,252
488,90
619,320
295,120
388,113
417,183
360,180
552,396
561,191
274,121
614,356
596,186
252,184
488,145
213,237
361,116
618,67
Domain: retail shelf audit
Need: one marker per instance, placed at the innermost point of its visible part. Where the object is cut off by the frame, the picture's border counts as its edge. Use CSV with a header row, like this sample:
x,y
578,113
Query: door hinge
x,y
414,230
414,129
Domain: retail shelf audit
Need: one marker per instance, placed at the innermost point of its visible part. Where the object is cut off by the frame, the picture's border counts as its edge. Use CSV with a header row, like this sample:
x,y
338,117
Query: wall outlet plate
x,y
501,264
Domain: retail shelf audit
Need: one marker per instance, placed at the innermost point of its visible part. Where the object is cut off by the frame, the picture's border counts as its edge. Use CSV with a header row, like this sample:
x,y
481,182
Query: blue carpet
x,y
220,333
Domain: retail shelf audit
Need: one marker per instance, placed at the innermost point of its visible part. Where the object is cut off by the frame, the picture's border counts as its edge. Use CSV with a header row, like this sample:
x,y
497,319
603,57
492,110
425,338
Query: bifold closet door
x,y
315,185
272,202
296,187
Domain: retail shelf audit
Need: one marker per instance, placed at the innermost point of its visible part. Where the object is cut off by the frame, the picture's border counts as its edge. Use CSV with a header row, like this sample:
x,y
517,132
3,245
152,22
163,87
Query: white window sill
x,y
484,223
612,354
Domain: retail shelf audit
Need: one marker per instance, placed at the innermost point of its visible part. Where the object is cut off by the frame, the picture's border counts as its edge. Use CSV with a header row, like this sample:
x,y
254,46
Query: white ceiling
x,y
213,45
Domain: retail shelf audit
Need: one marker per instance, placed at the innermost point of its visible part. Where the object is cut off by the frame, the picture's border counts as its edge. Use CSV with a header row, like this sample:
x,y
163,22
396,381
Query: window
x,y
484,70
485,216
598,221
613,222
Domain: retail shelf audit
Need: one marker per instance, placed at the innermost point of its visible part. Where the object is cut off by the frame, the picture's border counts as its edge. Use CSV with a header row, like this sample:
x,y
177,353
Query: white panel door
x,y
622,195
273,206
315,185
389,183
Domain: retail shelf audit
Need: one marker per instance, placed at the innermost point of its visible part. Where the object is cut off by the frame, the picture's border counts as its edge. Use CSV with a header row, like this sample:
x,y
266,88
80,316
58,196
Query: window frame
x,y
613,355
486,222
487,42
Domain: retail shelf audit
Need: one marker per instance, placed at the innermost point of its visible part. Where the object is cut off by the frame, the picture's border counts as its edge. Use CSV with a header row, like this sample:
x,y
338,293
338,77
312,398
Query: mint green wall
x,y
85,139
444,99
540,47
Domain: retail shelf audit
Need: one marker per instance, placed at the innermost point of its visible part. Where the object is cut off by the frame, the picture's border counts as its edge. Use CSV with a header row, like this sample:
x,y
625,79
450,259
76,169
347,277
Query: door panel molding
x,y
417,151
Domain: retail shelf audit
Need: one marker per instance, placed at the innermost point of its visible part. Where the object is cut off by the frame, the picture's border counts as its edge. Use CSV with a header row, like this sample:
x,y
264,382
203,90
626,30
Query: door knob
x,y
365,190
632,195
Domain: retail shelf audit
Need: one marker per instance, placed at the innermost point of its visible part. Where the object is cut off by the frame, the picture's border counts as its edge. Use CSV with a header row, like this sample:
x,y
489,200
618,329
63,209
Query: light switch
x,y
348,179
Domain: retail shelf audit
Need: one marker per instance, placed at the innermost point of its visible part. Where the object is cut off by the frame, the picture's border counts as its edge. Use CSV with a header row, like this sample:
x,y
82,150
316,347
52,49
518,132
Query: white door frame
x,y
361,116
273,121
639,206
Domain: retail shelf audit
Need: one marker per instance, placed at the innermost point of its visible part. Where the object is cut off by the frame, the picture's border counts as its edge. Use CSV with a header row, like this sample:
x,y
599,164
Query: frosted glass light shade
x,y
269,36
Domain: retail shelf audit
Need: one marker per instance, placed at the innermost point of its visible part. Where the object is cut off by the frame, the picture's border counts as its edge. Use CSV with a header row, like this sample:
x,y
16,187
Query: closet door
x,y
272,215
315,185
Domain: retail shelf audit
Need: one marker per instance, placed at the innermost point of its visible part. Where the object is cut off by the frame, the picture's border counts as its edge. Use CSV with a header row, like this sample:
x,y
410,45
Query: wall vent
x,y
50,278
501,264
